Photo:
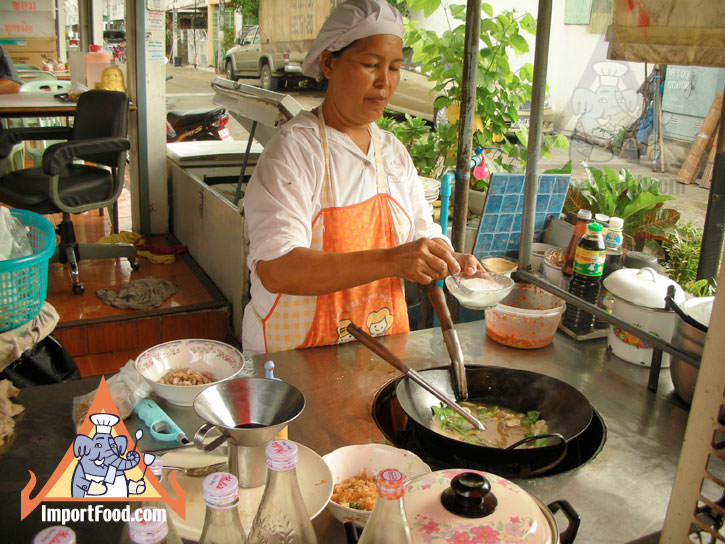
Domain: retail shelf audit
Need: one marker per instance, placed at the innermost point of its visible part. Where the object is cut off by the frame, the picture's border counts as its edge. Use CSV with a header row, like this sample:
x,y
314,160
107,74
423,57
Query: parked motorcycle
x,y
202,124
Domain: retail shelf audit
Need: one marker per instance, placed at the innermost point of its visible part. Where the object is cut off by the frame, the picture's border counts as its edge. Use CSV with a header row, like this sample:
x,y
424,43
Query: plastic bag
x,y
127,387
14,240
44,363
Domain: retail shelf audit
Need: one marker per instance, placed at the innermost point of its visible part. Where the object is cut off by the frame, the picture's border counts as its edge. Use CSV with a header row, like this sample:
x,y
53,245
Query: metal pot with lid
x,y
466,505
639,297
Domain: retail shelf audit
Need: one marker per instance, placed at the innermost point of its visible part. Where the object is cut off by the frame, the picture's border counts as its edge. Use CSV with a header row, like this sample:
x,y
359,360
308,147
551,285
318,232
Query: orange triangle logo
x,y
103,464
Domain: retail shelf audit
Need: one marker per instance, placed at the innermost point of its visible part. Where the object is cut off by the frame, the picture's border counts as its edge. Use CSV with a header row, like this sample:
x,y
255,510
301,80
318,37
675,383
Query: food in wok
x,y
504,427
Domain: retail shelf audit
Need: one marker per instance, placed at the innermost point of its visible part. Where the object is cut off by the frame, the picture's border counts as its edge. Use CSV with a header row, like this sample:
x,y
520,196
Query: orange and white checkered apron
x,y
379,306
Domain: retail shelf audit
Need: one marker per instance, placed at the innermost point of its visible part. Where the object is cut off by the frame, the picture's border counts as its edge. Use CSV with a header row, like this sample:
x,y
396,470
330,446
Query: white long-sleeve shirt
x,y
284,196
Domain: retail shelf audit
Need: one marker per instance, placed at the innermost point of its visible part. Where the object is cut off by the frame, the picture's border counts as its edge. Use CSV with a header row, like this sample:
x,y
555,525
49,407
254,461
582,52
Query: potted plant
x,y
637,201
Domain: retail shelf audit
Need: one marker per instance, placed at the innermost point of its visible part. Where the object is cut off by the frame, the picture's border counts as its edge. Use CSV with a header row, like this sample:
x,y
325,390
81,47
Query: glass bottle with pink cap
x,y
282,515
387,523
222,524
55,534
145,527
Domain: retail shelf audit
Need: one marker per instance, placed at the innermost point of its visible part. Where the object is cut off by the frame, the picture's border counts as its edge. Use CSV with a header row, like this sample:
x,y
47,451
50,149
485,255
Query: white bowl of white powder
x,y
485,289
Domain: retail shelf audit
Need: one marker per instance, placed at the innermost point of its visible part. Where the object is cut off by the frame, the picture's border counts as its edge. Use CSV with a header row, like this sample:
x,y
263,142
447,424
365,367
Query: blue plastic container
x,y
24,281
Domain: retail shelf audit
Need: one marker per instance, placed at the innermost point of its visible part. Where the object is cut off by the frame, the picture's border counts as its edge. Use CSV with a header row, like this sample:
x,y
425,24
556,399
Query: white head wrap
x,y
350,21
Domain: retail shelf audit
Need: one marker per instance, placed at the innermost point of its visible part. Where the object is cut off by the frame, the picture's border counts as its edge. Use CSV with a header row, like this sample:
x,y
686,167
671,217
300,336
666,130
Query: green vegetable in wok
x,y
503,426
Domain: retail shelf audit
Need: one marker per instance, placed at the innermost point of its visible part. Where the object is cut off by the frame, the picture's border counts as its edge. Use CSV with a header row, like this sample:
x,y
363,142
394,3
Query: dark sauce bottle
x,y
585,282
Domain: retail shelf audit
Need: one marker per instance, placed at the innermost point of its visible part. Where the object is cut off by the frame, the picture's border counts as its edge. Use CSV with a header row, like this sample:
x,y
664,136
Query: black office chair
x,y
98,135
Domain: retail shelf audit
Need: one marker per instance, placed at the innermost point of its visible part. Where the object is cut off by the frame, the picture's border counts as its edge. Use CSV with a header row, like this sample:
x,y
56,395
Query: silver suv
x,y
246,59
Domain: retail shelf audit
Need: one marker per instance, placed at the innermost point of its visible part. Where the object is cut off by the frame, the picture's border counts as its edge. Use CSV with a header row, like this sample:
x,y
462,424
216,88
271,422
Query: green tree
x,y
248,8
499,89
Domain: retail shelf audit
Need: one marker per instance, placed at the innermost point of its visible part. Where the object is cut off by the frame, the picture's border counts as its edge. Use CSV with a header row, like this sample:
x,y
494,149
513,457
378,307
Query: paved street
x,y
189,89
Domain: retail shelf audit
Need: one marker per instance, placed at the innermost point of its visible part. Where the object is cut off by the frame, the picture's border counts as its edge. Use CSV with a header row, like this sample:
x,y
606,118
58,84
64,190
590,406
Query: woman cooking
x,y
336,214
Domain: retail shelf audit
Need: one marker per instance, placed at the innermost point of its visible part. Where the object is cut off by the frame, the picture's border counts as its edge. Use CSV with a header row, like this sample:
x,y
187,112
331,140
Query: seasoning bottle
x,y
172,534
387,523
585,281
613,260
583,218
55,534
144,528
282,517
222,524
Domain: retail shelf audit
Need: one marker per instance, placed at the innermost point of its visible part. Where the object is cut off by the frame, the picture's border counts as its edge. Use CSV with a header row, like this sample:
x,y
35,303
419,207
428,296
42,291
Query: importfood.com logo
x,y
102,464
94,513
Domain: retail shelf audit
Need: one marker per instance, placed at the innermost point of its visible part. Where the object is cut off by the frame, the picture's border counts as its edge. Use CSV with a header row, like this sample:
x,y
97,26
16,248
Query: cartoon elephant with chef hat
x,y
101,466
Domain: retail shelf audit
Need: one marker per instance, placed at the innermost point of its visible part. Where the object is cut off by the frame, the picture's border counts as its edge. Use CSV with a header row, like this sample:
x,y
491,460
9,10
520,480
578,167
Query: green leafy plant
x,y
248,8
499,89
620,194
682,249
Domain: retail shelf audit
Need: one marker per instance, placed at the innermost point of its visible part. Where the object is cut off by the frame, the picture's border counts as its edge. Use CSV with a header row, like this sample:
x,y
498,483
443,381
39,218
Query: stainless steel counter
x,y
621,494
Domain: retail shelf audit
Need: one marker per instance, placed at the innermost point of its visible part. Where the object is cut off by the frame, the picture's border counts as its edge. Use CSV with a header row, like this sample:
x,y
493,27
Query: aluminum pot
x,y
639,298
691,339
459,505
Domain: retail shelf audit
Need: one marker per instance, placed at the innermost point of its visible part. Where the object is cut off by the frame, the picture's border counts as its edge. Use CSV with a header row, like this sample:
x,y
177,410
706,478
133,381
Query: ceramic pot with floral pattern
x,y
473,507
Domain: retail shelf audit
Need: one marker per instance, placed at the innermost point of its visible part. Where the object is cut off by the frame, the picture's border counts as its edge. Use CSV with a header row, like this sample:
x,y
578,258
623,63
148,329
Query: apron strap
x,y
328,195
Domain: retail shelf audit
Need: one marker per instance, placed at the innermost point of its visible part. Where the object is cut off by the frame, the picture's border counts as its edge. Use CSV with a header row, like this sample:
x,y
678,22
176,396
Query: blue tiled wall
x,y
499,232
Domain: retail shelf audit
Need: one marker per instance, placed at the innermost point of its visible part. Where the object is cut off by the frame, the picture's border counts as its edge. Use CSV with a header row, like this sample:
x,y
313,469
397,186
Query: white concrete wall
x,y
586,91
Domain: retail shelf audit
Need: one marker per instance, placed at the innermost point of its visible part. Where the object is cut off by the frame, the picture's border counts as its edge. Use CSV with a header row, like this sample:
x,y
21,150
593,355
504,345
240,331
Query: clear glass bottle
x,y
141,531
55,534
282,516
172,534
222,524
387,523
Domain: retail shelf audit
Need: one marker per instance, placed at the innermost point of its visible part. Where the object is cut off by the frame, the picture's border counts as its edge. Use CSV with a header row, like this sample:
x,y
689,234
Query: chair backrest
x,y
45,85
101,114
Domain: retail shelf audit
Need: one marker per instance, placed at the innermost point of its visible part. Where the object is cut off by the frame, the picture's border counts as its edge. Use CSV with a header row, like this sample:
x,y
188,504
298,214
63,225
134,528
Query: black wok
x,y
566,411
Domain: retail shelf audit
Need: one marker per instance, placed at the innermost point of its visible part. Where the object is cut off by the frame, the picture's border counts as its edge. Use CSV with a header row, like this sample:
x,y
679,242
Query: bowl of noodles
x,y
354,469
179,370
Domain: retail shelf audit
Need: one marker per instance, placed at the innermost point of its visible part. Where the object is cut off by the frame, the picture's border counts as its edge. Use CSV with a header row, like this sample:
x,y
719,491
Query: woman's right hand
x,y
424,260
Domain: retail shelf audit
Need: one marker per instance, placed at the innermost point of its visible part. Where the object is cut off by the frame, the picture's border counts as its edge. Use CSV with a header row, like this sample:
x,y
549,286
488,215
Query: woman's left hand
x,y
470,266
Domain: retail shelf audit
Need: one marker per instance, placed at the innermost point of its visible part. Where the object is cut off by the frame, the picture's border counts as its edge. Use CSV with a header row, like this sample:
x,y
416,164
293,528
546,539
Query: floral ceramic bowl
x,y
368,459
215,360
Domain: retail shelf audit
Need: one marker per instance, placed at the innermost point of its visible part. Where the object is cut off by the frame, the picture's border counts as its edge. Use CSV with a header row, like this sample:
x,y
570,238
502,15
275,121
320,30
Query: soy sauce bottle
x,y
585,282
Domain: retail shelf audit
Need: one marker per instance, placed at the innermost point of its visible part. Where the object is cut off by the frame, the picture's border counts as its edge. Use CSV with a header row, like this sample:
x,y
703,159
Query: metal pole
x,y
144,198
242,173
220,38
175,34
465,123
531,178
655,341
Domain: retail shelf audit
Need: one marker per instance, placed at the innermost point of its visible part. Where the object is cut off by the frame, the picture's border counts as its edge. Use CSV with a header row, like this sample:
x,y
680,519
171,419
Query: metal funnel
x,y
248,412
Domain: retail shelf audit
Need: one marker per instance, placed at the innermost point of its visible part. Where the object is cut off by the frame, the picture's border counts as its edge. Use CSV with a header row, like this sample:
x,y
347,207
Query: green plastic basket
x,y
24,281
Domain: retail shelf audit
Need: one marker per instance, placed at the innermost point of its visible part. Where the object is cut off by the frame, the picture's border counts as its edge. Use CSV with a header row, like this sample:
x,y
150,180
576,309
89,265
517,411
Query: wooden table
x,y
40,104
